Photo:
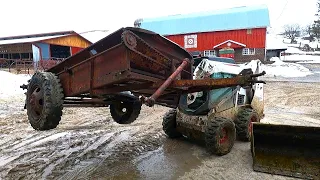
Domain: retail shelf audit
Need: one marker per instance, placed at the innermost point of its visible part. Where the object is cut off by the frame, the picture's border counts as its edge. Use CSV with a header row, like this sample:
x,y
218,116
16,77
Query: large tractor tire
x,y
244,123
125,112
220,135
169,124
44,101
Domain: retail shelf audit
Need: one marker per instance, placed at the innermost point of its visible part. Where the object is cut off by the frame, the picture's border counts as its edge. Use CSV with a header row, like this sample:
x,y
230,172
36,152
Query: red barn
x,y
239,32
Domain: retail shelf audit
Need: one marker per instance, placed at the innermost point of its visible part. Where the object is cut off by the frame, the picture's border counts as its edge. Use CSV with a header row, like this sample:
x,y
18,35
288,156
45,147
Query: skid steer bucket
x,y
286,150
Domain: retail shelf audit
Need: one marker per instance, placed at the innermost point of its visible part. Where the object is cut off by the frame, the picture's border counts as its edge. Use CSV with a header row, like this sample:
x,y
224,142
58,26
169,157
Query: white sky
x,y
39,16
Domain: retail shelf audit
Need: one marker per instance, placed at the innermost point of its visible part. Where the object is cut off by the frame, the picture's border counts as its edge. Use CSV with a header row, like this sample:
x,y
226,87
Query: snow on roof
x,y
33,37
95,35
28,40
273,42
244,17
294,50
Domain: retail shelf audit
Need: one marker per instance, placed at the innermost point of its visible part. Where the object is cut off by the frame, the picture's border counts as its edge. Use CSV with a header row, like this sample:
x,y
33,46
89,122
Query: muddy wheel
x,y
44,101
125,112
220,135
244,123
169,124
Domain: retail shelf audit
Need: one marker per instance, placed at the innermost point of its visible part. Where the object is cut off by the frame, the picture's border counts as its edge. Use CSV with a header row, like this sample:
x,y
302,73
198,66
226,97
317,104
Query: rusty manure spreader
x,y
132,67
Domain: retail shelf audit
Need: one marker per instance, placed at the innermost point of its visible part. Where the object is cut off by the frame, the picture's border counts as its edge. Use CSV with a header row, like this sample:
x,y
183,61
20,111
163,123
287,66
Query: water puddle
x,y
171,160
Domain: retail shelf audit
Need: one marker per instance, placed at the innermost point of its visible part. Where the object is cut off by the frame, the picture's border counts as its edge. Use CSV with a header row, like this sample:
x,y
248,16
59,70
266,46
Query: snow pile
x,y
311,59
315,61
10,84
280,68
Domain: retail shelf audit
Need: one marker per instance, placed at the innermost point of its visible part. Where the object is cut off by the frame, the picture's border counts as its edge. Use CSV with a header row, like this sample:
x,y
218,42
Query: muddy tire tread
x,y
211,134
169,124
242,123
53,97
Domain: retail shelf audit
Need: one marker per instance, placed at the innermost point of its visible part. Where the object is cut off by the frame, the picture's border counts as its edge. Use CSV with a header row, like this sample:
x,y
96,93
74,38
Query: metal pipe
x,y
151,100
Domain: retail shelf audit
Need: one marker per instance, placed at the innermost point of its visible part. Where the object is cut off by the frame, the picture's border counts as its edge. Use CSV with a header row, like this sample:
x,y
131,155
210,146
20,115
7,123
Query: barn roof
x,y
244,17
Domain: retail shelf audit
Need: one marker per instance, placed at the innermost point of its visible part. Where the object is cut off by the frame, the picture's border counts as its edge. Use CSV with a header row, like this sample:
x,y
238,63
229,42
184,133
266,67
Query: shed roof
x,y
36,37
274,43
244,17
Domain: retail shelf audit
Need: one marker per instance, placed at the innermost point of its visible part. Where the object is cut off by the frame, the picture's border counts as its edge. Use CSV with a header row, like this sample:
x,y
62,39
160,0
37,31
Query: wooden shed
x,y
46,48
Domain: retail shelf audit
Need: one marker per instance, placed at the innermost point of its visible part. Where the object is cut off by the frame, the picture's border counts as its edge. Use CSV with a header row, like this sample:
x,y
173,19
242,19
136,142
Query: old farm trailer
x,y
124,70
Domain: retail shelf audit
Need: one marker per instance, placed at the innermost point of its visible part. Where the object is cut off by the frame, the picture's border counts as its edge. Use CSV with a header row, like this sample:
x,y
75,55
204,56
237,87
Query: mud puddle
x,y
170,161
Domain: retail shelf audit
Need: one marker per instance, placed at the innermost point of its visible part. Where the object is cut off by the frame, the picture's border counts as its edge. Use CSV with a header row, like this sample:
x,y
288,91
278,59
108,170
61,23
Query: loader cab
x,y
197,60
202,102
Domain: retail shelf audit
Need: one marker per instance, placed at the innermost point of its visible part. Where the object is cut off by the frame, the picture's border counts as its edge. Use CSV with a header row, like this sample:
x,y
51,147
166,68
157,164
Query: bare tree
x,y
292,31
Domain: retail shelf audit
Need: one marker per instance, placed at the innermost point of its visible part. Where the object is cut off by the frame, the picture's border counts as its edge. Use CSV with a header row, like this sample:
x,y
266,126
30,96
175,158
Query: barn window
x,y
248,51
59,51
25,55
15,56
209,53
249,31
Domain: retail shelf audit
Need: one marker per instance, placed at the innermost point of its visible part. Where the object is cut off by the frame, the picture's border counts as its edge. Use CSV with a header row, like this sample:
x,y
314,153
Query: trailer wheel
x,y
44,101
220,135
244,123
125,112
169,125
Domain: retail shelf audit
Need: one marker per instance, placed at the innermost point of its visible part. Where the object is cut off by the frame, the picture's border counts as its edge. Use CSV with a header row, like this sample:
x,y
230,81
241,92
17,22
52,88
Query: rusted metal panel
x,y
110,67
111,64
286,150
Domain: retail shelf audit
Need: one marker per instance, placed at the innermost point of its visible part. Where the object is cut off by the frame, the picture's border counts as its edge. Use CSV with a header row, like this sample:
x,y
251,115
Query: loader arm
x,y
245,78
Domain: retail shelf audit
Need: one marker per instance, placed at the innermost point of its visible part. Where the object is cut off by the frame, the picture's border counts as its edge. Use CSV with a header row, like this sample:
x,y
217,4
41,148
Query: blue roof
x,y
244,17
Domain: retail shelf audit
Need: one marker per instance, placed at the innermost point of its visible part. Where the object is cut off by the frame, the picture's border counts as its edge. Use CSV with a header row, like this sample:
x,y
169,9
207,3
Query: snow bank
x,y
298,58
10,84
309,62
280,68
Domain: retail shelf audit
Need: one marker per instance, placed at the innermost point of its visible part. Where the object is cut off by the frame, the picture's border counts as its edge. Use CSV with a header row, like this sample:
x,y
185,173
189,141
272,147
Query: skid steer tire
x,y
244,123
220,135
125,112
169,124
44,101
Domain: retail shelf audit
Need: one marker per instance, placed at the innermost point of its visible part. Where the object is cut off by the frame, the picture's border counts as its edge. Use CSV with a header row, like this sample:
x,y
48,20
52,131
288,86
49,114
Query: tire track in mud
x,y
78,147
119,149
72,151
52,152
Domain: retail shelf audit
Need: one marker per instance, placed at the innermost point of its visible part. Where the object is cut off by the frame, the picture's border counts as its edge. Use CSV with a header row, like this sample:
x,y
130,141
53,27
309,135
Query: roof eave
x,y
185,33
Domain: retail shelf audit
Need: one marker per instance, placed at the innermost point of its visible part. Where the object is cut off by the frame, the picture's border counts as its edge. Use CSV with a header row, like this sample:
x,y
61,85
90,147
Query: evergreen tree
x,y
315,29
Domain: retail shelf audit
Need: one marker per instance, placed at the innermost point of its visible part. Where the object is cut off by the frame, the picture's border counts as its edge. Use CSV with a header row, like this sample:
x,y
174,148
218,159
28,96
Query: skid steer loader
x,y
217,116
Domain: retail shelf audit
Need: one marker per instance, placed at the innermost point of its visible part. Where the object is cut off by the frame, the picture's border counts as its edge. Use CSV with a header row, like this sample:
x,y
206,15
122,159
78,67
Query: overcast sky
x,y
38,16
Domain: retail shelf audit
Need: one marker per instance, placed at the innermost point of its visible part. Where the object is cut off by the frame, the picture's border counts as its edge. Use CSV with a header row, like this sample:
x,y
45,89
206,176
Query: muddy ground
x,y
89,145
